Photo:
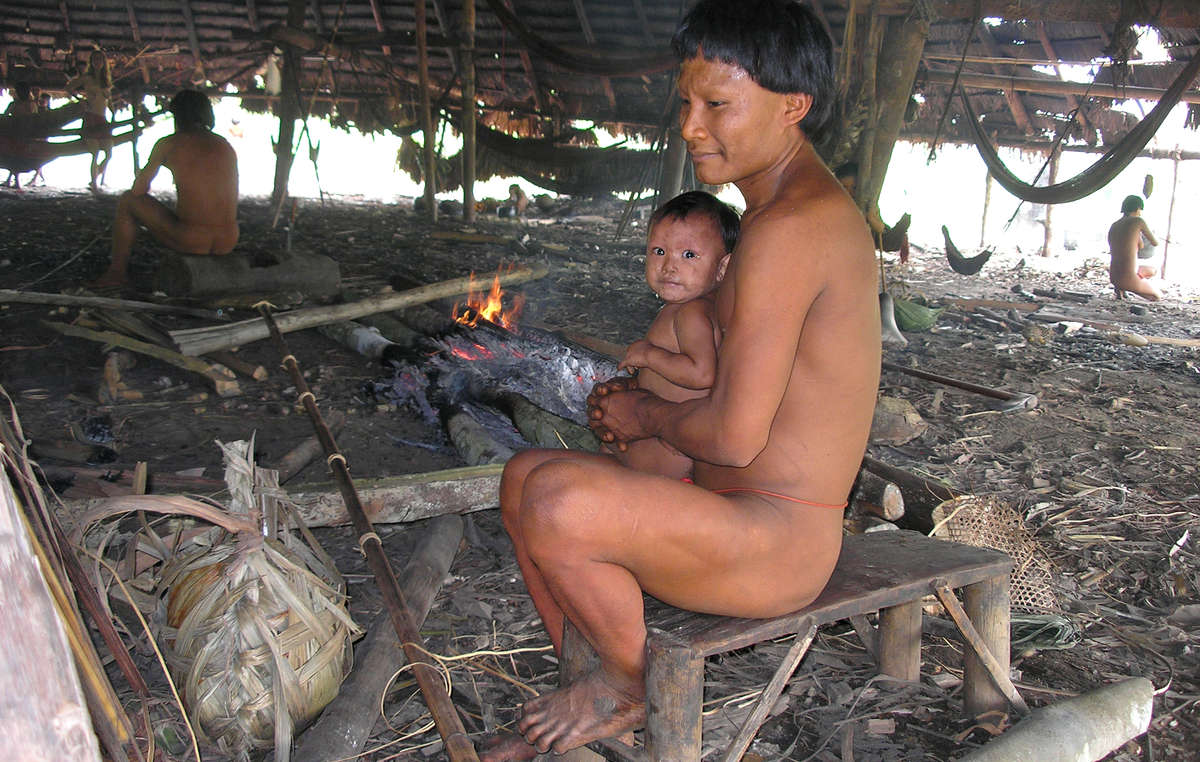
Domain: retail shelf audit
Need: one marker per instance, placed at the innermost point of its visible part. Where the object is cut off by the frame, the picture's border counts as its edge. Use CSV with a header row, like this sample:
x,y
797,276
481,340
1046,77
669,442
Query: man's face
x,y
733,126
685,258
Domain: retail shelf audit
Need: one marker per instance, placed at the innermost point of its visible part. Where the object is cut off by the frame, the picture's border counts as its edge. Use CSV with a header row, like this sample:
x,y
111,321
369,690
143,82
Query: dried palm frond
x,y
256,632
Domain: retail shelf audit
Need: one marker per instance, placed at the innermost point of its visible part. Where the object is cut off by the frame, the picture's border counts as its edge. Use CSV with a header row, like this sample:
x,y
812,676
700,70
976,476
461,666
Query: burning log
x,y
198,341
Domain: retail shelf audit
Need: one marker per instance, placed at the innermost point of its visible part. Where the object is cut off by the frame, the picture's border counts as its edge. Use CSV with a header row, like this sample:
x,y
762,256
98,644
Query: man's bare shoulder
x,y
816,212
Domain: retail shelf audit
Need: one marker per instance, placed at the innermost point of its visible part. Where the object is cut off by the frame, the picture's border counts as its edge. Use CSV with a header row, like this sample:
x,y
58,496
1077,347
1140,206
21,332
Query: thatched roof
x,y
572,59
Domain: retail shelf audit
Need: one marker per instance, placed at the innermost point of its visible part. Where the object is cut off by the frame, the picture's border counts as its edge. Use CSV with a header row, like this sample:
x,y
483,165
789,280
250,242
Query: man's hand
x,y
613,414
636,356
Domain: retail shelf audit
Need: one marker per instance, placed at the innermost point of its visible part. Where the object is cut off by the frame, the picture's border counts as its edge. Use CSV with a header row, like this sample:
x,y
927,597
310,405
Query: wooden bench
x,y
888,572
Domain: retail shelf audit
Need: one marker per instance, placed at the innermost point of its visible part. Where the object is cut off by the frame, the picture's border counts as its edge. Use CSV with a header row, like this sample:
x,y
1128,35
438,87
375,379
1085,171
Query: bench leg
x,y
674,698
899,653
987,606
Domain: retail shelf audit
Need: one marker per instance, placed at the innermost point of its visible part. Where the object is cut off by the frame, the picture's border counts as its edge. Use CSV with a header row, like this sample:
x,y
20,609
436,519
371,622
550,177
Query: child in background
x,y
687,250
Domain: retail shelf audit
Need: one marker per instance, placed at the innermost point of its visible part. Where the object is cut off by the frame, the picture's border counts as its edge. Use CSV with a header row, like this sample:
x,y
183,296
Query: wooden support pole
x,y
467,51
674,695
1170,213
899,649
988,182
1048,222
904,42
288,109
426,113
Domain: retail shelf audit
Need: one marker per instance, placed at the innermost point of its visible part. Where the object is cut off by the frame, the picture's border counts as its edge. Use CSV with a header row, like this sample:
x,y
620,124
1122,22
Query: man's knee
x,y
559,504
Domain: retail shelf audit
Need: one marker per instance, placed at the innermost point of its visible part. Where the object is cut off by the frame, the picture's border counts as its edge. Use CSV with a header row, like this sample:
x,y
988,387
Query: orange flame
x,y
489,306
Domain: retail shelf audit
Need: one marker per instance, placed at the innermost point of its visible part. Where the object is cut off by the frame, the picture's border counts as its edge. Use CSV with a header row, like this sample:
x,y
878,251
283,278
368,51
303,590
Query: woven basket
x,y
256,634
985,521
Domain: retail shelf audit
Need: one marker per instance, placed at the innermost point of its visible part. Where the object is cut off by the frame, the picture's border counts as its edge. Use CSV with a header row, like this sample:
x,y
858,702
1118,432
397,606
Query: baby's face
x,y
685,258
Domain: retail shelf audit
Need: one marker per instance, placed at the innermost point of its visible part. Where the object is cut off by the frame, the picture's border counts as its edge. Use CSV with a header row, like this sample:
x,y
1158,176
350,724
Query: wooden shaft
x,y
987,391
429,678
899,650
986,684
877,496
921,495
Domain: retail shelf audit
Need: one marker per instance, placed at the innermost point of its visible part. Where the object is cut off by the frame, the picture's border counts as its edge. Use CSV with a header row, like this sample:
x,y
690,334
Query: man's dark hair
x,y
192,108
780,43
22,92
1131,204
706,204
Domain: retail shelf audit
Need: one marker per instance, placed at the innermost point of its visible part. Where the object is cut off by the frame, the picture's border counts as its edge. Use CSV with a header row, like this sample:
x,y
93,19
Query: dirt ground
x,y
1103,471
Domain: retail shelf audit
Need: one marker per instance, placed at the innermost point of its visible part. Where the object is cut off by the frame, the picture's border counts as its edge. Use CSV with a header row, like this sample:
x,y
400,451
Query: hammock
x,y
584,63
1100,173
562,169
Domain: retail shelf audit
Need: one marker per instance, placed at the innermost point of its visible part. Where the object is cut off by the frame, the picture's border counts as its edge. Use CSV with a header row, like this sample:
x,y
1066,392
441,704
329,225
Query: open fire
x,y
489,306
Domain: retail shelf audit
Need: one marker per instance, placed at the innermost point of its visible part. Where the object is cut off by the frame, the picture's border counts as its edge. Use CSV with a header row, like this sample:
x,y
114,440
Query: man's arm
x,y
1146,232
695,365
158,155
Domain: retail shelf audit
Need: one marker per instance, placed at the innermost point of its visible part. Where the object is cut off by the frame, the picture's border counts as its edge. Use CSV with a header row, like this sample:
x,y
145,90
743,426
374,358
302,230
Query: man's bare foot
x,y
505,747
590,708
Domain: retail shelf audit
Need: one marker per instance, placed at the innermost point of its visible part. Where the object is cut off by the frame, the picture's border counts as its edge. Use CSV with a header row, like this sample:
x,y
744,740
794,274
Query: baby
x,y
687,250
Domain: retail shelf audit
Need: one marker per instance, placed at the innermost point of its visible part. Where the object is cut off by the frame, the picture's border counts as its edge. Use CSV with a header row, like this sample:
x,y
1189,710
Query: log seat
x,y
887,572
206,276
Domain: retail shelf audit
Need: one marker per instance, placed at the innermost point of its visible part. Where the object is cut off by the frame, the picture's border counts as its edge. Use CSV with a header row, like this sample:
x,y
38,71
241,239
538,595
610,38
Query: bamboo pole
x,y
199,341
37,297
1053,87
426,112
288,109
987,202
429,678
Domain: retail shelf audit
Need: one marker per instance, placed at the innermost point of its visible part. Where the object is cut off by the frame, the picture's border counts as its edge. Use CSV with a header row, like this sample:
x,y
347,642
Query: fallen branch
x,y
345,725
198,341
222,380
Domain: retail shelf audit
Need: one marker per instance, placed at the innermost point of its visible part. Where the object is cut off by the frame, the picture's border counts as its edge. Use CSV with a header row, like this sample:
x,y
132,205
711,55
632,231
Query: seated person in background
x,y
688,245
1126,237
23,104
518,202
204,167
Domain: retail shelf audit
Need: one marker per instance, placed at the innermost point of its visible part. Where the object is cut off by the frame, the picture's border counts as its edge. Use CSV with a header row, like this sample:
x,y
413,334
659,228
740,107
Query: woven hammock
x,y
1106,167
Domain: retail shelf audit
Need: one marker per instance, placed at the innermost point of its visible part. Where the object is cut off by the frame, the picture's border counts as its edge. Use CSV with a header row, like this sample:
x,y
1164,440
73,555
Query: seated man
x,y
779,439
204,167
1126,237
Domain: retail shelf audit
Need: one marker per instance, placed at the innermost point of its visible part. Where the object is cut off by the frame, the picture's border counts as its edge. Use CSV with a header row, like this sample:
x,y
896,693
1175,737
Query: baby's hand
x,y
635,356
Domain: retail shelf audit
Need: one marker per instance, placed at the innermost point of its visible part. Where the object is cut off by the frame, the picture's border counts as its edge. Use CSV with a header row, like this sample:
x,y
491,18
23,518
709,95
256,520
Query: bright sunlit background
x,y
351,166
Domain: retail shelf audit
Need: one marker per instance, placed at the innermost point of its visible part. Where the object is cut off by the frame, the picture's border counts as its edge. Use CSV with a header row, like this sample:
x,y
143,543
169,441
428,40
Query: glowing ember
x,y
489,306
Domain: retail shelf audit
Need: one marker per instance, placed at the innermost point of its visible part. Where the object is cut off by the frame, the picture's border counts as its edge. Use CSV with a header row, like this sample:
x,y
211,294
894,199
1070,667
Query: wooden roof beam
x,y
1053,86
1089,130
588,35
378,16
193,38
137,37
640,10
439,12
1015,105
1182,14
